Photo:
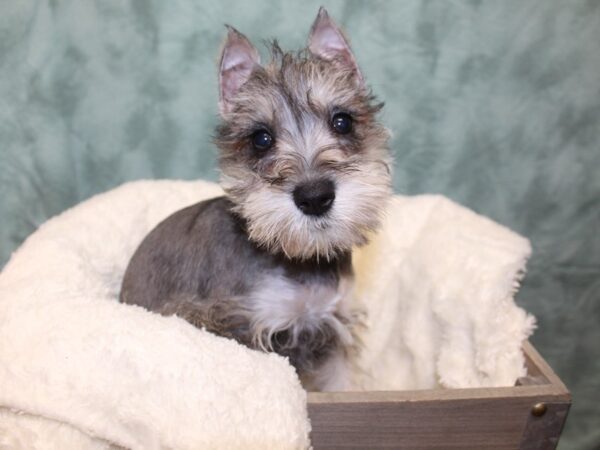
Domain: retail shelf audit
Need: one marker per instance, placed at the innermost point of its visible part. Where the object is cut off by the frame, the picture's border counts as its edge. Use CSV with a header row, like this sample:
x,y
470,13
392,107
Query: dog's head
x,y
302,155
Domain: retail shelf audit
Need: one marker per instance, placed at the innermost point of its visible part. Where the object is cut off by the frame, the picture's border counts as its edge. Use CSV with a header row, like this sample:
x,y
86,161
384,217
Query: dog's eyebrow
x,y
309,101
314,106
291,101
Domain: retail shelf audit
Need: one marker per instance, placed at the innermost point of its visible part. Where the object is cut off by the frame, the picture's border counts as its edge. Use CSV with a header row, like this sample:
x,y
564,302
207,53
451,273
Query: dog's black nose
x,y
314,198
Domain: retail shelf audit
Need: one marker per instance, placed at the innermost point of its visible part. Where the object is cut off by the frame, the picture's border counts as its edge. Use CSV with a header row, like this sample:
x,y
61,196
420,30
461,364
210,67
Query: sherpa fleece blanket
x,y
78,370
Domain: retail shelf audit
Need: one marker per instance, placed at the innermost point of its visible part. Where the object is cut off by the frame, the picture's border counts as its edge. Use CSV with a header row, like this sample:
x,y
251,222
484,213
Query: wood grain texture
x,y
498,418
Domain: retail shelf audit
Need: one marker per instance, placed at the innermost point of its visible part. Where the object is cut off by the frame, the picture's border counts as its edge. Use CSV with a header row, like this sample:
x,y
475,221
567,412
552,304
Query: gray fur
x,y
200,265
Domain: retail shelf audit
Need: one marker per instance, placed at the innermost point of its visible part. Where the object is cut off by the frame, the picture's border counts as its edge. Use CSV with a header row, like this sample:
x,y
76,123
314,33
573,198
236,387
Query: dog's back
x,y
200,252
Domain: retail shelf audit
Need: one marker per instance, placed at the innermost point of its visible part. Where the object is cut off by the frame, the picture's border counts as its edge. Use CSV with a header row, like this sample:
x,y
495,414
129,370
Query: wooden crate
x,y
529,415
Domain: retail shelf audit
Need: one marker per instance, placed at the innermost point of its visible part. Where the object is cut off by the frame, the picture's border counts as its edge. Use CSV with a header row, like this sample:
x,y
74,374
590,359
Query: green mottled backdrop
x,y
495,104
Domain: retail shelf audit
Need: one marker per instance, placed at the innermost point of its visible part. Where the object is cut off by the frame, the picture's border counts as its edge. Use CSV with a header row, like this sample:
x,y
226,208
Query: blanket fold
x,y
438,284
80,370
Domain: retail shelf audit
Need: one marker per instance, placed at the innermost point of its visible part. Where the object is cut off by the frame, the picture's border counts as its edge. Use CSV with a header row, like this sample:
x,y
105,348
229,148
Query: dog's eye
x,y
341,123
262,140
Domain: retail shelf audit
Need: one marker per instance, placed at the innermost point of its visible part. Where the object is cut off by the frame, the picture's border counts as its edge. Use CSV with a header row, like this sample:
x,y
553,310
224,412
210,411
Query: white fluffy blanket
x,y
79,370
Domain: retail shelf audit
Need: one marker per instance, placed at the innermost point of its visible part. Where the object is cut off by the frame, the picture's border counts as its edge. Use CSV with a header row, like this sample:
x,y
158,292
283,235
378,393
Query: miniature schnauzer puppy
x,y
306,171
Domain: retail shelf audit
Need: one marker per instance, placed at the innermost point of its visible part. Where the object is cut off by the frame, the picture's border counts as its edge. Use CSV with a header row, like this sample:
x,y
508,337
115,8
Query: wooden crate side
x,y
543,432
461,424
538,367
545,392
446,418
495,422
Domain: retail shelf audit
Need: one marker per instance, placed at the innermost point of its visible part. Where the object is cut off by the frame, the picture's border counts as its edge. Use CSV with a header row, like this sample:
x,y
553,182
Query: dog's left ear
x,y
327,41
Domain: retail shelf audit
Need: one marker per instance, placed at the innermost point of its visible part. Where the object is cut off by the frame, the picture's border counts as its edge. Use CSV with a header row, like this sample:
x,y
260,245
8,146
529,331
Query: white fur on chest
x,y
283,304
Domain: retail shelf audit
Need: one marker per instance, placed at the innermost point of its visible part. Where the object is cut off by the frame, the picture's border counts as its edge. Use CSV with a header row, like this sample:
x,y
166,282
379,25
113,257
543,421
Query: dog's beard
x,y
275,223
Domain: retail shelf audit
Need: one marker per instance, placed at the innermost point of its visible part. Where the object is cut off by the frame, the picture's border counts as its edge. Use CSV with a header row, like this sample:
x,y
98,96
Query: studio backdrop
x,y
493,104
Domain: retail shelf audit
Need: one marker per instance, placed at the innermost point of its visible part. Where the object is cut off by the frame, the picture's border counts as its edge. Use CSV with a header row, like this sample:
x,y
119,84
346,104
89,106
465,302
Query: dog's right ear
x,y
327,41
238,59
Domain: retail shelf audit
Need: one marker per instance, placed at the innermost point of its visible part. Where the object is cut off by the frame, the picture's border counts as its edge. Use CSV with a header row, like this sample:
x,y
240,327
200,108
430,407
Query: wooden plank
x,y
457,424
444,418
545,392
537,366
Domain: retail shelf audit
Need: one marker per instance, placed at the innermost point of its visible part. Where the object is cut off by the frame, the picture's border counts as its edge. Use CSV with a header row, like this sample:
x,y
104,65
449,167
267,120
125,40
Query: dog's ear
x,y
238,59
327,41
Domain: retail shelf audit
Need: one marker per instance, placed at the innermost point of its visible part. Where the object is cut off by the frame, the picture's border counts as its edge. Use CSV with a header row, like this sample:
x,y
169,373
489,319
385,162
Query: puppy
x,y
306,171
